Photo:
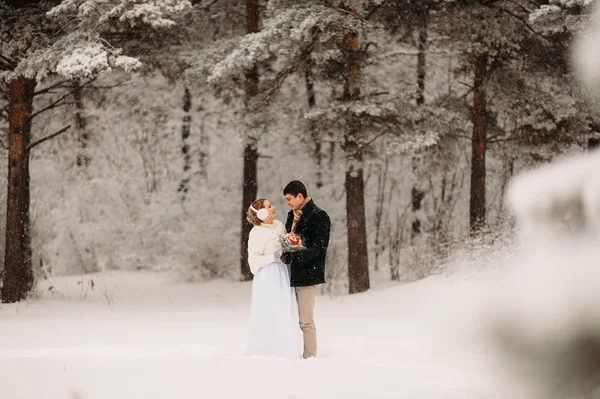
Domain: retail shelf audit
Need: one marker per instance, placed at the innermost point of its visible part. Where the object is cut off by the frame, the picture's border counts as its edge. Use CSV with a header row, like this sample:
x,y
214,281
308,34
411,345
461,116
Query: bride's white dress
x,y
274,328
274,325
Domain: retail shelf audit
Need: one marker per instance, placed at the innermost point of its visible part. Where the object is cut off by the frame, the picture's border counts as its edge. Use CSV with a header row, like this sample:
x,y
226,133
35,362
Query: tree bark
x,y
250,183
203,150
18,270
479,144
379,206
358,258
316,138
83,158
422,27
250,190
417,194
185,146
508,164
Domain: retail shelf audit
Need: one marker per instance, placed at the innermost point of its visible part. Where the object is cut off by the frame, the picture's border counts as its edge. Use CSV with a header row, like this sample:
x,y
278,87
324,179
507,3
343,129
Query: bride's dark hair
x,y
251,215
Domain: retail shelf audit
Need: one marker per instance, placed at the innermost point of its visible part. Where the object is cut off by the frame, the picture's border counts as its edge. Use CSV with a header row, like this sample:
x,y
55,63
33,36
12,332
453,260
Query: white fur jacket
x,y
263,242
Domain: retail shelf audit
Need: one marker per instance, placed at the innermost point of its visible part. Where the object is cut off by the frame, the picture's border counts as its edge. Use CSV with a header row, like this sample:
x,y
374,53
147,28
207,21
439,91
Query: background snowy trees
x,y
405,119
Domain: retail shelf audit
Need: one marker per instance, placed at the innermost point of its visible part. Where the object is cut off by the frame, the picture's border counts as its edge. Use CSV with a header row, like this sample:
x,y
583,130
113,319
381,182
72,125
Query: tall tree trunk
x,y
316,137
422,27
379,206
358,258
203,150
417,194
479,143
185,145
250,183
18,271
508,164
250,190
83,137
331,161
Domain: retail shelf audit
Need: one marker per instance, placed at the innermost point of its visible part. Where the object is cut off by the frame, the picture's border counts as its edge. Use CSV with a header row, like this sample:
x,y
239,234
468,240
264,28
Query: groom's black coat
x,y
308,265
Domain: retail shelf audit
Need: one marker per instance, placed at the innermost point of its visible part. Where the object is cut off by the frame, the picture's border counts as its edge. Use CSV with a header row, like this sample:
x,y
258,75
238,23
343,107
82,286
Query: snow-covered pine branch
x,y
90,13
72,56
69,39
410,127
286,34
561,15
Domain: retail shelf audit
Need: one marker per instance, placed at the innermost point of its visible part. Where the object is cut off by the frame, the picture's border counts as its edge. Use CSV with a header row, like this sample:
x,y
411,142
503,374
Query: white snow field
x,y
518,322
143,335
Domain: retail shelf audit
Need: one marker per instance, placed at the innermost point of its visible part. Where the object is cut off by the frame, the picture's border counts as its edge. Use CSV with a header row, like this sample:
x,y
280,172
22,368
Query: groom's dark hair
x,y
294,188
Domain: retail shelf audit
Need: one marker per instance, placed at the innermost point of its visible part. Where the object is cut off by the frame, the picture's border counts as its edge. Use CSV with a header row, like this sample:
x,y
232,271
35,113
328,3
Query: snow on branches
x,y
560,15
86,61
97,12
289,33
73,39
410,127
72,57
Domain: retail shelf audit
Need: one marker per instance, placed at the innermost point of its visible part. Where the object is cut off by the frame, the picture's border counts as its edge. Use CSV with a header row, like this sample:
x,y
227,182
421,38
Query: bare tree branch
x,y
522,7
265,97
5,59
56,103
374,10
494,138
460,136
369,142
375,94
518,18
106,87
88,82
499,140
471,88
64,129
4,63
51,106
442,53
208,5
49,88
369,44
355,15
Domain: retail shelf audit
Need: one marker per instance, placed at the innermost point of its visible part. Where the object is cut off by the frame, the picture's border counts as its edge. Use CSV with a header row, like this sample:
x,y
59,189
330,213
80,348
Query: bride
x,y
274,325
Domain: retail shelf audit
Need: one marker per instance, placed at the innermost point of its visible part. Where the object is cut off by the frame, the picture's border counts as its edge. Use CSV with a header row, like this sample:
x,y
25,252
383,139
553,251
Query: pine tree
x,y
491,37
69,42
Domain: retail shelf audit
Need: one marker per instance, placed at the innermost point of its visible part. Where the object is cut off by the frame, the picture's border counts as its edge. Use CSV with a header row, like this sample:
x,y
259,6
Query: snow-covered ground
x,y
144,335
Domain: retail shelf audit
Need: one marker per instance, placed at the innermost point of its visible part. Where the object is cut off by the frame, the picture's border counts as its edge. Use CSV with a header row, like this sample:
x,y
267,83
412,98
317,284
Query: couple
x,y
284,286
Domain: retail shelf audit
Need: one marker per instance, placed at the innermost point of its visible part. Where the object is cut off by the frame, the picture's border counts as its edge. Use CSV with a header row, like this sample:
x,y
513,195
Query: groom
x,y
312,224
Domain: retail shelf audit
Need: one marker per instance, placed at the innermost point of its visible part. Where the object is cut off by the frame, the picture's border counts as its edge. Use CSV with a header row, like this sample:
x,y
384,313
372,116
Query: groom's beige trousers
x,y
306,311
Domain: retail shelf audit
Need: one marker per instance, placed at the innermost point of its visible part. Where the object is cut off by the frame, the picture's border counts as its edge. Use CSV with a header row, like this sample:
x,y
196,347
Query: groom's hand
x,y
277,254
286,258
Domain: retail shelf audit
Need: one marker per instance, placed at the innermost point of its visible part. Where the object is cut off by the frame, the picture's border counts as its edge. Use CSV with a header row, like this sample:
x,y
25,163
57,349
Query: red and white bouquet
x,y
291,242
